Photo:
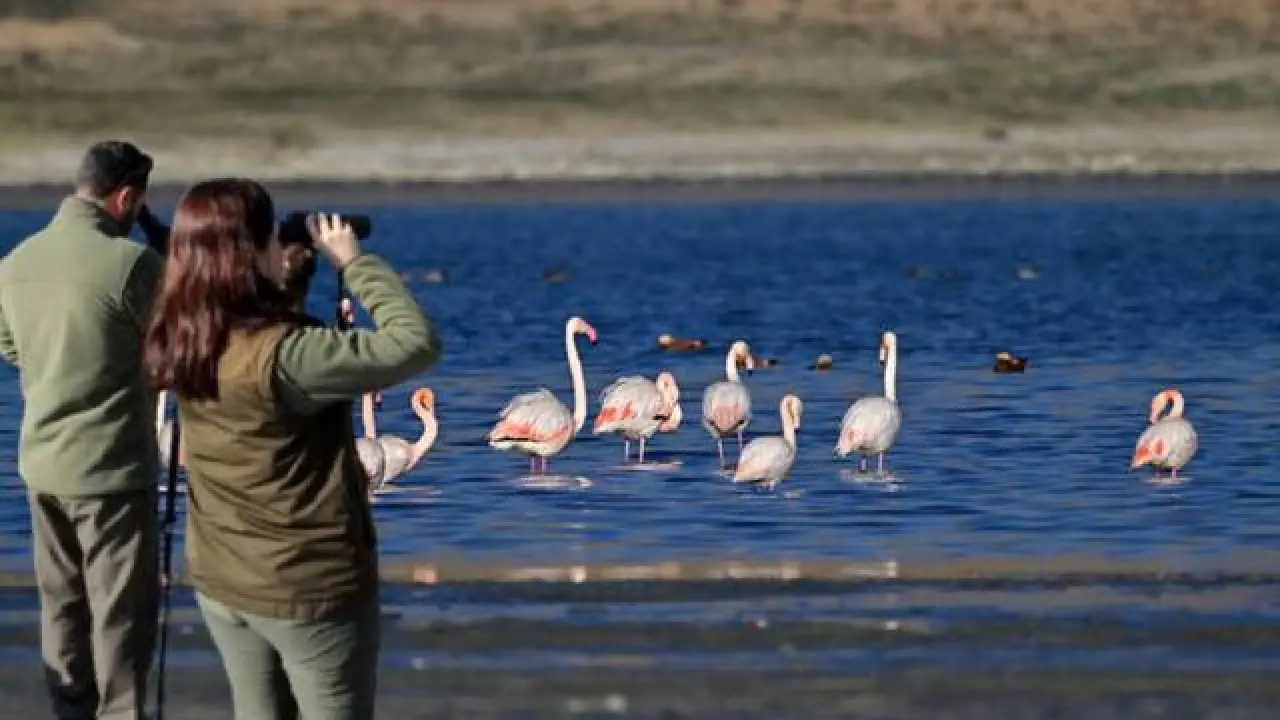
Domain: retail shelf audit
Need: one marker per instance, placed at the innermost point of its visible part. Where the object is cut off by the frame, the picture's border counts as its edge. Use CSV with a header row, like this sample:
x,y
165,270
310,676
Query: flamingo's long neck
x,y
430,429
731,365
891,374
1176,412
788,426
579,382
670,394
367,416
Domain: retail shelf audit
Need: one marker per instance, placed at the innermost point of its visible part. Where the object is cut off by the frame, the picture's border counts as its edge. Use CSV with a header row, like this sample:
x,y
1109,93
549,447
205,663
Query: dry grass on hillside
x,y
288,68
996,20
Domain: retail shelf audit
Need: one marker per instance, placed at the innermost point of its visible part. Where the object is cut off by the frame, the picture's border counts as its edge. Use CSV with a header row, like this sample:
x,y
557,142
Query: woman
x,y
280,539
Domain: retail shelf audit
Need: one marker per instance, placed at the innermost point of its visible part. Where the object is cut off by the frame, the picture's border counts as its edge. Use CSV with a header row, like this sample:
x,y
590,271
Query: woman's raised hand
x,y
334,238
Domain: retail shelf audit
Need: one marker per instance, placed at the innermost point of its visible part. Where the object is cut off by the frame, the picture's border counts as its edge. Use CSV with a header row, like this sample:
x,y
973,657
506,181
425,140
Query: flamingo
x,y
726,405
636,408
1168,442
767,460
387,457
871,424
536,423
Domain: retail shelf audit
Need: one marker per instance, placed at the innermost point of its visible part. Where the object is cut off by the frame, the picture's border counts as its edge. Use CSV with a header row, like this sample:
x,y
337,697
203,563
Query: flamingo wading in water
x,y
387,457
636,408
871,424
536,423
767,460
726,405
1168,442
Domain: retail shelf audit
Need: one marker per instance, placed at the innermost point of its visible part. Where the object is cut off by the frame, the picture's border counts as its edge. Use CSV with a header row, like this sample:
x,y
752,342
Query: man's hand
x,y
157,232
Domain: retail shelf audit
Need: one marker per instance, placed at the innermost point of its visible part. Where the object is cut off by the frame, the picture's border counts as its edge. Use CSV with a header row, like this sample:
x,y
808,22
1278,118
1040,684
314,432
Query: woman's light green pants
x,y
298,670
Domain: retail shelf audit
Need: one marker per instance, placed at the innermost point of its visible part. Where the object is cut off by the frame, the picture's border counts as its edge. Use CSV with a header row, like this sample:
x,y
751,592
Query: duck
x,y
763,362
666,341
1008,363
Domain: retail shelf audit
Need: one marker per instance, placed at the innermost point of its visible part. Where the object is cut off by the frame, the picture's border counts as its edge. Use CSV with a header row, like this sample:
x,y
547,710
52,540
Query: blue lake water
x,y
1110,301
1011,537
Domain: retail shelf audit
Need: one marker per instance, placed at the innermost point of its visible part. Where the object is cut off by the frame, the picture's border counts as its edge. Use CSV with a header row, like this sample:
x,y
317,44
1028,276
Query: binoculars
x,y
293,229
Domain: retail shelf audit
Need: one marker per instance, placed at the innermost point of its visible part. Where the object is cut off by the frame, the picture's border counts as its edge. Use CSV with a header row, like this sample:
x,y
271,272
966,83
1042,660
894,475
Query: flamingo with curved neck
x,y
387,457
1169,442
767,460
637,408
726,405
536,423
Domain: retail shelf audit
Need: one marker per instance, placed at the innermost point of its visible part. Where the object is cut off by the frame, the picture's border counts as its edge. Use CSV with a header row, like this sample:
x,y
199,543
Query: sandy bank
x,y
388,156
383,169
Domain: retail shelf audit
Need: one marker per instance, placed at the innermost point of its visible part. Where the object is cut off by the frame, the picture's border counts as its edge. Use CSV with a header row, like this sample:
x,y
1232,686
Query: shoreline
x,y
854,187
854,162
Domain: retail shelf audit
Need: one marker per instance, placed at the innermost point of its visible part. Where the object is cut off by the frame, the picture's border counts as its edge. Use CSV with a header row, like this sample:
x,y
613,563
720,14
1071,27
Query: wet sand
x,y
869,187
1082,648
601,692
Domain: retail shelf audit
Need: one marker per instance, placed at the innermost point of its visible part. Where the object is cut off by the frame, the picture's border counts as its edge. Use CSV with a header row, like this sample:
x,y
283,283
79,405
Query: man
x,y
74,300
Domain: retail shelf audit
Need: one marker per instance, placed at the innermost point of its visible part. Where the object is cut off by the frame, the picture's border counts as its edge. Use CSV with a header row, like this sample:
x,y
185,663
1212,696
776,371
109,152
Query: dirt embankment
x,y
598,88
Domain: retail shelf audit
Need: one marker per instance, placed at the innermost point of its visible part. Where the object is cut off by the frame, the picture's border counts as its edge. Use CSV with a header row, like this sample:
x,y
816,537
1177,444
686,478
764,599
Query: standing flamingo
x,y
726,405
767,460
387,457
636,408
536,423
1168,442
871,424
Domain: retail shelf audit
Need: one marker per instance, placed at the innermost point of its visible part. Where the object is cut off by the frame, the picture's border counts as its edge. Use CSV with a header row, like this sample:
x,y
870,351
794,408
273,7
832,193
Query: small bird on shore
x,y
1009,363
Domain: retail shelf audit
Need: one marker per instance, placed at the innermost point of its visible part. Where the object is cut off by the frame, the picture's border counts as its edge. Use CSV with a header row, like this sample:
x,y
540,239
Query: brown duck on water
x,y
1008,363
763,362
669,342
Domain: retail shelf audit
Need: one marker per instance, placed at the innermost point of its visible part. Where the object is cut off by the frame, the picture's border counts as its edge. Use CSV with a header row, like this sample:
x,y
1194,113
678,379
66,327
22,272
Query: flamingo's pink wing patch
x,y
725,417
527,432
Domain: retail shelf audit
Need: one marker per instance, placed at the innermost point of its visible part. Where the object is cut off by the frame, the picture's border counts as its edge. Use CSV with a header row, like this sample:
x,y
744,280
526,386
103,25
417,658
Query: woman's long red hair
x,y
211,285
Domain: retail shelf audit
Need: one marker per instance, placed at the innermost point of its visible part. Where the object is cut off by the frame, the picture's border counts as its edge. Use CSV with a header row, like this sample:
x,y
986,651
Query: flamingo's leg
x,y
641,451
739,442
532,465
720,449
880,464
1174,474
626,450
862,463
544,465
